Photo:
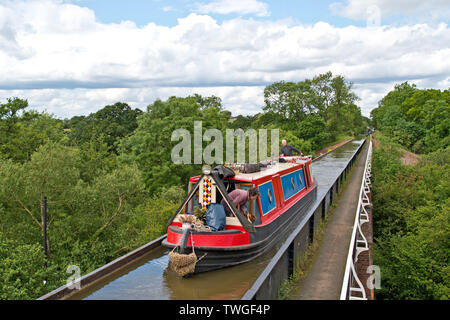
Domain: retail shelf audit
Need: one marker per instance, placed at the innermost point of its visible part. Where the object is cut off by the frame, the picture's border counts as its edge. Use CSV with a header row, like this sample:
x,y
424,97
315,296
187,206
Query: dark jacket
x,y
287,150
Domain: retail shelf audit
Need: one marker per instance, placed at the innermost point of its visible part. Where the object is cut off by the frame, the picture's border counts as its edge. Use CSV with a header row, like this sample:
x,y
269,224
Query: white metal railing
x,y
358,242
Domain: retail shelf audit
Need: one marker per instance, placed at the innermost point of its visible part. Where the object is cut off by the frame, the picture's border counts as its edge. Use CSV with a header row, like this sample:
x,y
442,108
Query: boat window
x,y
194,202
267,197
293,183
310,173
246,186
230,185
251,206
300,178
256,212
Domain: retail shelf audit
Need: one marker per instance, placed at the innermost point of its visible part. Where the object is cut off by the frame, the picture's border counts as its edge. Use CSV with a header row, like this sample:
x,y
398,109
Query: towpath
x,y
324,280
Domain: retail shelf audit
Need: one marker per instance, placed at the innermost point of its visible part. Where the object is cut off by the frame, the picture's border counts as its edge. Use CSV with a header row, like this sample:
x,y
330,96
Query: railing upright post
x,y
291,260
311,229
323,205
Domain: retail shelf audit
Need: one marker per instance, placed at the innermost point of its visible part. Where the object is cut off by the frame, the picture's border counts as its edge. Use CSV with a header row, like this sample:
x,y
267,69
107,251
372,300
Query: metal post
x,y
44,224
331,195
337,184
323,208
311,229
291,260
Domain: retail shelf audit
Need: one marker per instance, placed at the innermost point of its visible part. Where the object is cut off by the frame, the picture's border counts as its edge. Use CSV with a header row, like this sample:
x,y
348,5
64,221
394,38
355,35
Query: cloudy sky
x,y
73,57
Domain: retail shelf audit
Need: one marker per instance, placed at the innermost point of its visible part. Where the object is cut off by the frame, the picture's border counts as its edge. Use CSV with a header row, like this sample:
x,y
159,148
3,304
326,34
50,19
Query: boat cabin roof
x,y
270,170
267,171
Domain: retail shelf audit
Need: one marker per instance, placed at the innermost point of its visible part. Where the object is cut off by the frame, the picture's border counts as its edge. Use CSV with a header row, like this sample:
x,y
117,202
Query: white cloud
x,y
168,9
242,7
66,103
359,9
73,64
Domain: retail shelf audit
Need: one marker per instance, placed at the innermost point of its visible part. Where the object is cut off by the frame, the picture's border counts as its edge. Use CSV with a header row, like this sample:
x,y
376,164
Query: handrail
x,y
358,237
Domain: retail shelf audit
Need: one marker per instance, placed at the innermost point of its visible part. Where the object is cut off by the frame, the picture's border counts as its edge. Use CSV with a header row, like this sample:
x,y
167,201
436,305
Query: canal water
x,y
150,278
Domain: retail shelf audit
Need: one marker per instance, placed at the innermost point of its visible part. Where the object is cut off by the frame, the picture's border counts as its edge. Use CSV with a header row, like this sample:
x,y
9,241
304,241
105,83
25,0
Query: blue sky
x,y
165,12
73,57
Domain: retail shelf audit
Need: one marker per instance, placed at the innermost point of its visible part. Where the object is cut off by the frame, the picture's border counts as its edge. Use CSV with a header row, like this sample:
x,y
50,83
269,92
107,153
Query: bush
x,y
411,225
22,271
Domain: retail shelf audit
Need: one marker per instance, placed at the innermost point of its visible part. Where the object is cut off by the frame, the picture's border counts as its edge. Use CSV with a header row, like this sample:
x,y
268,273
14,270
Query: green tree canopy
x,y
110,124
417,119
22,131
150,146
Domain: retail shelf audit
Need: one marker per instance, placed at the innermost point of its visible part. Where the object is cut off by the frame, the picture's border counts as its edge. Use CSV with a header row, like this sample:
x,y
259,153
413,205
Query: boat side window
x,y
229,186
267,197
194,202
292,183
311,180
250,204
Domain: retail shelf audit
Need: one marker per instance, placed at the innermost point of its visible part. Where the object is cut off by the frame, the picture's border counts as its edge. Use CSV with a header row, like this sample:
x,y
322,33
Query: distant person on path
x,y
286,150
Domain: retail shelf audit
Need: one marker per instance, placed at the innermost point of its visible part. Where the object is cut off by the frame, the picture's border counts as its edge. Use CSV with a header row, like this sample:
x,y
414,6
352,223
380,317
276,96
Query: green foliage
x,y
51,172
22,272
22,132
317,110
417,119
411,224
243,122
314,133
108,125
157,211
200,213
90,224
288,100
95,158
150,146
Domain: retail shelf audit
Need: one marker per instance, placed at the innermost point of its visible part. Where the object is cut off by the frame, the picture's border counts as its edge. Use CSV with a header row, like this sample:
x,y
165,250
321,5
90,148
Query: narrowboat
x,y
286,191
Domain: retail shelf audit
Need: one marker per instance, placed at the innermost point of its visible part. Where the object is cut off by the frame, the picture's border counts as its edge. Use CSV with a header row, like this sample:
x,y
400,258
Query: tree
x,y
394,98
242,122
35,129
22,132
116,194
23,277
323,93
437,121
50,173
10,112
150,146
341,110
111,123
417,106
417,119
313,128
290,101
